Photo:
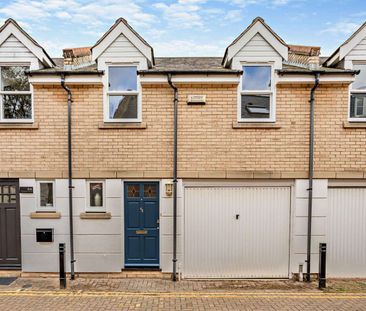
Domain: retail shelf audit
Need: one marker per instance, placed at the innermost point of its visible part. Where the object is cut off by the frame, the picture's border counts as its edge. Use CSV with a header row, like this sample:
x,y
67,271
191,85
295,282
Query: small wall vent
x,y
196,100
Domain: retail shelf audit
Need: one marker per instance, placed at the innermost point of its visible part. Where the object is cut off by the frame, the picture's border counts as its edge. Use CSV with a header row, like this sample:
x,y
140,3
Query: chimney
x,y
76,57
305,55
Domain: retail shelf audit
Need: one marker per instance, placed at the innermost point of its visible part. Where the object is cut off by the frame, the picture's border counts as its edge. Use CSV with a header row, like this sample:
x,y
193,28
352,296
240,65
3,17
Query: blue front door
x,y
142,224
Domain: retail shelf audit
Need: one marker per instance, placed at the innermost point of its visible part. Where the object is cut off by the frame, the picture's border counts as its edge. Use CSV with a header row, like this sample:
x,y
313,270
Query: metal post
x,y
61,248
322,265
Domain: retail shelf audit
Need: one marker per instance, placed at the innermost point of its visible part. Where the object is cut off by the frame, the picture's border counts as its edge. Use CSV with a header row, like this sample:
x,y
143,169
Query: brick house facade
x,y
229,167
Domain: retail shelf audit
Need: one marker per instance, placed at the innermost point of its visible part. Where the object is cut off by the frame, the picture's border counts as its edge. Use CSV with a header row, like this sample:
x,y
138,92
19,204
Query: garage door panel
x,y
235,232
346,232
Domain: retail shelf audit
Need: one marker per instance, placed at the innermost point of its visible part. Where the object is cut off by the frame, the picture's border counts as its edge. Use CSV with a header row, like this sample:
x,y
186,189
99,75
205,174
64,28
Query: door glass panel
x,y
13,198
1,198
13,189
5,189
150,190
5,199
133,191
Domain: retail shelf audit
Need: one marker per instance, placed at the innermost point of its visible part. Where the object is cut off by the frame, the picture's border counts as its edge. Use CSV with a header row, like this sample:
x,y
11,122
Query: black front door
x,y
10,252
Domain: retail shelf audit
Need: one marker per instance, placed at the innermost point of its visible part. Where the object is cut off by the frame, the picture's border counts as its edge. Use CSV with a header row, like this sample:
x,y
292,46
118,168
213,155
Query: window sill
x,y
93,215
19,126
354,125
134,125
255,125
45,215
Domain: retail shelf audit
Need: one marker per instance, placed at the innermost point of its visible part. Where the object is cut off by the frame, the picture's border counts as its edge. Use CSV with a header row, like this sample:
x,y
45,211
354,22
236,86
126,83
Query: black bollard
x,y
62,265
322,265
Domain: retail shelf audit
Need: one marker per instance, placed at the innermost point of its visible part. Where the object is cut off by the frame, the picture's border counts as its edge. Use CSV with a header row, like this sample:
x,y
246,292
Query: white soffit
x,y
192,78
259,28
71,79
355,39
11,28
114,33
347,46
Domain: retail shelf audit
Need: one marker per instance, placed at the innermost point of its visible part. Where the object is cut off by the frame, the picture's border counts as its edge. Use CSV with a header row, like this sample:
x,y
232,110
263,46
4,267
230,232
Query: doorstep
x,y
10,273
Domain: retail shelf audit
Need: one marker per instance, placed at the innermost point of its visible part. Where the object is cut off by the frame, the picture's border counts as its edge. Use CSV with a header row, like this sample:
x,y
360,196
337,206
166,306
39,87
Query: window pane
x,y
255,106
133,191
96,194
123,78
14,79
123,106
17,106
256,78
150,190
358,106
46,190
360,79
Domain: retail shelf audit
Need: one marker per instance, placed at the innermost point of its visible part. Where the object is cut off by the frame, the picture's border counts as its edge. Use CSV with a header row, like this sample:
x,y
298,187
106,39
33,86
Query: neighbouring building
x,y
243,134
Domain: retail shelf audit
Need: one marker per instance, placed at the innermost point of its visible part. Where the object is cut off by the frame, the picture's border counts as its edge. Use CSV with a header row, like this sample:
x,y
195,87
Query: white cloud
x,y
234,15
90,13
344,28
63,15
182,14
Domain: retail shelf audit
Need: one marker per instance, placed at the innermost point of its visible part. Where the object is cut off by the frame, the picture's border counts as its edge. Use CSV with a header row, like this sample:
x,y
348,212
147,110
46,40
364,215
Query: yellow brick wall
x,y
208,144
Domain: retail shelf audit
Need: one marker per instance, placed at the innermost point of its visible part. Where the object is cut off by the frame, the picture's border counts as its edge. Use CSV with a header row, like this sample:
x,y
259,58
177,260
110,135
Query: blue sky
x,y
185,27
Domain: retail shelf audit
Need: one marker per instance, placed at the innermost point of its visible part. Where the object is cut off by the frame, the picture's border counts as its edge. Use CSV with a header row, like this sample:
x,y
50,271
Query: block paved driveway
x,y
154,294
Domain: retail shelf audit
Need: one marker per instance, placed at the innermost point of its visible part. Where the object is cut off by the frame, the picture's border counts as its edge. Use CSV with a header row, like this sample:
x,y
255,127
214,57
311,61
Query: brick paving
x,y
156,294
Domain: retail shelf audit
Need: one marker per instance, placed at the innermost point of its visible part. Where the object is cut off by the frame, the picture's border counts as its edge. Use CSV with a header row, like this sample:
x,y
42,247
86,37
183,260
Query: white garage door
x,y
237,232
346,232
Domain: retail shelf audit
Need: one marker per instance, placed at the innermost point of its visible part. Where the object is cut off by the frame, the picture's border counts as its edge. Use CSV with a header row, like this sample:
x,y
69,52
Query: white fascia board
x,y
334,59
328,78
346,48
74,79
196,78
121,28
36,50
266,34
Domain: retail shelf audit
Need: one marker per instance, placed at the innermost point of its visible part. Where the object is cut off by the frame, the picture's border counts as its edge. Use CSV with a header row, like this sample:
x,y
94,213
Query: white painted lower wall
x,y
99,244
300,222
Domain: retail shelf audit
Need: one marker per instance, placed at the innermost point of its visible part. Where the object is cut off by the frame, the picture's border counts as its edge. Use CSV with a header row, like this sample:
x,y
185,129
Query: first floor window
x,y
96,195
46,195
122,93
358,94
15,94
256,93
358,105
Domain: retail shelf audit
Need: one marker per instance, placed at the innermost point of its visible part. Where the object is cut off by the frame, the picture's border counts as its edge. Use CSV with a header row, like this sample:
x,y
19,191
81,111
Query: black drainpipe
x,y
69,143
175,162
311,173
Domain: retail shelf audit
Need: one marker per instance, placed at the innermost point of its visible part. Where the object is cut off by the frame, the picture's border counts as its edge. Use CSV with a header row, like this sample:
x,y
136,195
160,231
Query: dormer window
x,y
122,94
15,95
256,94
357,111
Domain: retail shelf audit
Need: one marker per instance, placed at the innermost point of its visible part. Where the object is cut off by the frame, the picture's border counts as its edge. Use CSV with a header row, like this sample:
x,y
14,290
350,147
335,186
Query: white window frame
x,y
108,93
91,209
30,92
46,208
271,92
350,92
